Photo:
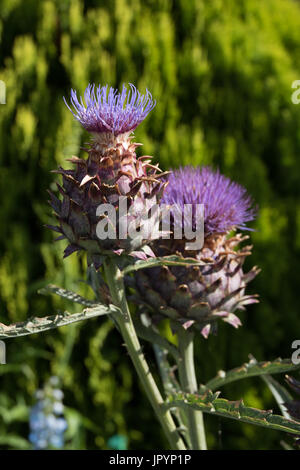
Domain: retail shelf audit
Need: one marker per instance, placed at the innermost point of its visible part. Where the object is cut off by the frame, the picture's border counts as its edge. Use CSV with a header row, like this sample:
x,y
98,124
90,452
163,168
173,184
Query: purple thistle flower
x,y
226,203
111,111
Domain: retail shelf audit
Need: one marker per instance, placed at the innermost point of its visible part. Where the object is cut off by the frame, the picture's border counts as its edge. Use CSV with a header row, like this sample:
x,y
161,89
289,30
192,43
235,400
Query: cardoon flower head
x,y
111,170
47,425
226,203
199,296
110,111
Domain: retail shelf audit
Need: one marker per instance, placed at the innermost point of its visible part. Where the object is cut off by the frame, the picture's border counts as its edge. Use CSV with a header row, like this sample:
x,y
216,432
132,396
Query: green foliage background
x,y
221,72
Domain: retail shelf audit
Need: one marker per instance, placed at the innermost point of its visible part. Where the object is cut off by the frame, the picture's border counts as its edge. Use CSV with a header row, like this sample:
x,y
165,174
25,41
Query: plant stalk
x,y
188,381
116,285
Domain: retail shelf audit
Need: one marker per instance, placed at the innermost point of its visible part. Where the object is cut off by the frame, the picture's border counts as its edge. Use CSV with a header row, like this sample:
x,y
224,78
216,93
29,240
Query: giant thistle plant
x,y
192,288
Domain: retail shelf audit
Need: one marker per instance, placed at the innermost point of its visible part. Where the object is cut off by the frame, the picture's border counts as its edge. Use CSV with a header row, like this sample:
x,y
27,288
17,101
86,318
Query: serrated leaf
x,y
66,294
36,324
172,260
208,402
251,369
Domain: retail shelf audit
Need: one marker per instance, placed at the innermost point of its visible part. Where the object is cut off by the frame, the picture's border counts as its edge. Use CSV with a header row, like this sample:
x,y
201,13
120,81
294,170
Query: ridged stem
x,y
116,285
188,382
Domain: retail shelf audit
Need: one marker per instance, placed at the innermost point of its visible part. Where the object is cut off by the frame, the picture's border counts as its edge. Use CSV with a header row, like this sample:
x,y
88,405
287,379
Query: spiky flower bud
x,y
112,170
198,296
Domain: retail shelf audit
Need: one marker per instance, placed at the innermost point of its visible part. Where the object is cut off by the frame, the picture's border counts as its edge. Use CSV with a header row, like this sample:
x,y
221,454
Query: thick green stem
x,y
188,383
115,282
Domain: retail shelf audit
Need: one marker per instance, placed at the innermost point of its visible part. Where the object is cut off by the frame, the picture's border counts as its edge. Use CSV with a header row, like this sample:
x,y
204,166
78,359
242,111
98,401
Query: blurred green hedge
x,y
221,72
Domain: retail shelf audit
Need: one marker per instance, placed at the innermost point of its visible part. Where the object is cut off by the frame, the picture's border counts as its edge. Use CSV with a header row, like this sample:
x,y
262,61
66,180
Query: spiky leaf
x,y
37,325
66,294
209,402
251,369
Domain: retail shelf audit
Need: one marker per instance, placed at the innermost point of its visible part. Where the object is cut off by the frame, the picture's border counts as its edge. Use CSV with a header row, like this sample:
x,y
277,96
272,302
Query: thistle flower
x,y
226,203
111,170
47,425
199,296
110,111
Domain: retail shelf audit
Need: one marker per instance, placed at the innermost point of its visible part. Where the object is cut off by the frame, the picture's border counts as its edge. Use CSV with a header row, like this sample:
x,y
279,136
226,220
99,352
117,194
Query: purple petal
x,y
109,110
206,330
226,203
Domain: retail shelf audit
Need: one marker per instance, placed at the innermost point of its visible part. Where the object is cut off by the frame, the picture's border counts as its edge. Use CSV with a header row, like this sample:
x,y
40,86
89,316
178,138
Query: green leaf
x,y
66,294
208,402
75,419
172,260
16,413
19,369
14,441
37,325
279,392
251,369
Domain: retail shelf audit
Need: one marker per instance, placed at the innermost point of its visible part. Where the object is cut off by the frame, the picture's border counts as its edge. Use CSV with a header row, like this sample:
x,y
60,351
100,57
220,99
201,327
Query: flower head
x,y
111,171
199,296
226,203
111,111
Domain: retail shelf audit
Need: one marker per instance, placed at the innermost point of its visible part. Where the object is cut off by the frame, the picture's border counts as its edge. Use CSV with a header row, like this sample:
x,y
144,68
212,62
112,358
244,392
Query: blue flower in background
x,y
111,111
47,425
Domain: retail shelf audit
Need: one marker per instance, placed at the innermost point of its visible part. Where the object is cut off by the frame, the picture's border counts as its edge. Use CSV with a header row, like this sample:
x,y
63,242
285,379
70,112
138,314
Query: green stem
x,y
114,279
188,381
